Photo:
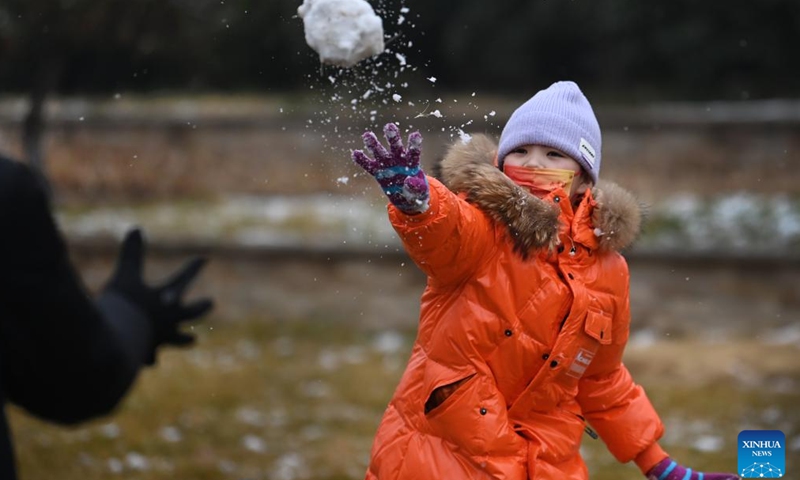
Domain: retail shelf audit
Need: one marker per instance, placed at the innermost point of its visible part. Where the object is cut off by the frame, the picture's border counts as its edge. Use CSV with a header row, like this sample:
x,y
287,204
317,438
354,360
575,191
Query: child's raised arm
x,y
445,236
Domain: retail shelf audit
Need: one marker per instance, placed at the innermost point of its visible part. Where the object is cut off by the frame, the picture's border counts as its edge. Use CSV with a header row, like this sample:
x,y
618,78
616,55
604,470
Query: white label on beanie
x,y
587,151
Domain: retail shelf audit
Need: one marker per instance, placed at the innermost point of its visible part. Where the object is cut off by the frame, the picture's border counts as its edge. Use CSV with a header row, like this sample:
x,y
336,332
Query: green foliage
x,y
626,48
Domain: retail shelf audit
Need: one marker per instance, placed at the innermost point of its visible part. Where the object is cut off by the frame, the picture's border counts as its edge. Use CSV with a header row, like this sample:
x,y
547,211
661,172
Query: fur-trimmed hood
x,y
533,223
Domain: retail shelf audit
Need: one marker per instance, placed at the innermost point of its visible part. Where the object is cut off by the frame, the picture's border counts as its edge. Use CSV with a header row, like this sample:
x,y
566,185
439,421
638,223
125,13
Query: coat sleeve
x,y
611,401
62,359
448,240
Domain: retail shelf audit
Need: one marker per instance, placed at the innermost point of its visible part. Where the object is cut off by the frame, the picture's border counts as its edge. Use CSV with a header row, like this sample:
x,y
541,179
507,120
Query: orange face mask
x,y
540,181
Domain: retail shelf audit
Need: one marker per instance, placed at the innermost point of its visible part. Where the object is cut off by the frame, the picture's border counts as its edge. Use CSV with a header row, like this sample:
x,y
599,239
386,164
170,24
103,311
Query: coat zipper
x,y
587,428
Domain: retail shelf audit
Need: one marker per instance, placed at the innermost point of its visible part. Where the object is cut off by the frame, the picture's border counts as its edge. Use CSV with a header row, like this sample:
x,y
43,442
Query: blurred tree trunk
x,y
44,82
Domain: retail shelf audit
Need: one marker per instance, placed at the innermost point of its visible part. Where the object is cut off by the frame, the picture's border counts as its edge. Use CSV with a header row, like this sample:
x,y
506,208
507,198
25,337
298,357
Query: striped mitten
x,y
397,170
668,469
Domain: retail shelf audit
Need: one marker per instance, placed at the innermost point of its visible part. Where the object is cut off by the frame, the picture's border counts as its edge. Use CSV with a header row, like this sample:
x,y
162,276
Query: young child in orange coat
x,y
526,312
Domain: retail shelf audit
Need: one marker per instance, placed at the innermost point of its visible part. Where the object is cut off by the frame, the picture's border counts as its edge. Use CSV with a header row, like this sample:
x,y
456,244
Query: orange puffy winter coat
x,y
519,344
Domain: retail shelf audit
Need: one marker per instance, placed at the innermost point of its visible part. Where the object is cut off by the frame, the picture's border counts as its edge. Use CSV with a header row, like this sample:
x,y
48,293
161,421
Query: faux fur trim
x,y
532,223
468,168
617,217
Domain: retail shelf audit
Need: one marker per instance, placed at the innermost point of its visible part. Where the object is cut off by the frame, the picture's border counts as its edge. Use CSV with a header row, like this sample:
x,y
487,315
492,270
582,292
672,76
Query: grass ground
x,y
301,400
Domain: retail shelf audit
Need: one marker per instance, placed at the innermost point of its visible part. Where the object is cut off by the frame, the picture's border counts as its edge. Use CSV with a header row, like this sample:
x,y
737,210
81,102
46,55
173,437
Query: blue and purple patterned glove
x,y
397,170
668,469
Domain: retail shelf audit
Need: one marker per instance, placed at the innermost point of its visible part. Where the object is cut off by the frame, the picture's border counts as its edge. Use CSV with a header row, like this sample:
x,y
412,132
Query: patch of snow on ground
x,y
788,335
171,434
737,222
290,466
137,461
248,220
251,416
254,443
708,443
742,223
115,465
388,342
643,338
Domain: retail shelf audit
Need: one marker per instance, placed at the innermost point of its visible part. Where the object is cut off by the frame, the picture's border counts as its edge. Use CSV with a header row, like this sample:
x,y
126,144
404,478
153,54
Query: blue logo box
x,y
762,454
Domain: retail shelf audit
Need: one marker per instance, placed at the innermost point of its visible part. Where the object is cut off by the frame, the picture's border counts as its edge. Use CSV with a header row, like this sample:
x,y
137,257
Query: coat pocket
x,y
599,326
441,394
472,415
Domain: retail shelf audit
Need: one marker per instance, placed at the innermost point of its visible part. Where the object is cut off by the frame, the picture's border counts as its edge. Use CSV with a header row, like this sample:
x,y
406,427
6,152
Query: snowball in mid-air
x,y
342,32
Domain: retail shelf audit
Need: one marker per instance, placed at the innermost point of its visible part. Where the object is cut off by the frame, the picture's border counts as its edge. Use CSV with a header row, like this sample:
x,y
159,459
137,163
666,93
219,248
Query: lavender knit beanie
x,y
559,117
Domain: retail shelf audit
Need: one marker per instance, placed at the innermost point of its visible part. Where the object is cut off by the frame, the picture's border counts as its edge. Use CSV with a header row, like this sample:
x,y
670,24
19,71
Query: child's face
x,y
539,156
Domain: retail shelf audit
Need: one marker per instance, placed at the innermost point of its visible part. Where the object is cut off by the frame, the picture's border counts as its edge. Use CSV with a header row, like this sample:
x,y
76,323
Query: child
x,y
525,315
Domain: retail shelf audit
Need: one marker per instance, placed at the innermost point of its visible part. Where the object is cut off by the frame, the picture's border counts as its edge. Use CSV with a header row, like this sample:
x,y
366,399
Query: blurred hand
x,y
668,469
397,171
161,304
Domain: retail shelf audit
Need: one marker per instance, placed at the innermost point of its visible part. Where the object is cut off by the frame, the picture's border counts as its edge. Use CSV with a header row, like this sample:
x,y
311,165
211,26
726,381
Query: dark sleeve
x,y
62,358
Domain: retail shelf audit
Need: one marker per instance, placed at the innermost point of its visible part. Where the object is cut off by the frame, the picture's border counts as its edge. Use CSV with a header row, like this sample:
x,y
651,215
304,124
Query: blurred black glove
x,y
161,304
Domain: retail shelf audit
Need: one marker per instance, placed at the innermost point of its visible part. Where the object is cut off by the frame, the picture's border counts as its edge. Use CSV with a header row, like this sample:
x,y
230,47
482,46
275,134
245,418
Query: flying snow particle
x,y
396,97
342,32
435,113
432,79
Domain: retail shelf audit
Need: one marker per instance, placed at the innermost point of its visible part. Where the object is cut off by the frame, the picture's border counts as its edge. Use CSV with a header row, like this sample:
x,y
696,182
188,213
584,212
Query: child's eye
x,y
553,153
520,151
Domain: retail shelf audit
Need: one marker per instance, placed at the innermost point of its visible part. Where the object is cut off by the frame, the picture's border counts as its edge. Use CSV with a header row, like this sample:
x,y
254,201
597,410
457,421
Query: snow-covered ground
x,y
321,220
740,223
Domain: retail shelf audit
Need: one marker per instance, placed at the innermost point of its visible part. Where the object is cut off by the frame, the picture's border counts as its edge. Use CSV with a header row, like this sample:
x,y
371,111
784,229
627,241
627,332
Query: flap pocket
x,y
598,326
474,418
443,393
